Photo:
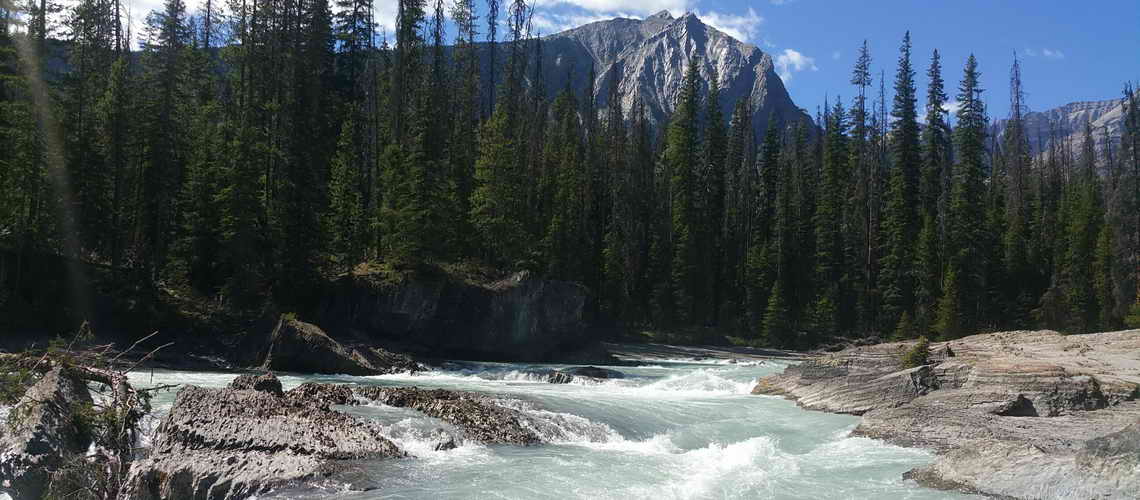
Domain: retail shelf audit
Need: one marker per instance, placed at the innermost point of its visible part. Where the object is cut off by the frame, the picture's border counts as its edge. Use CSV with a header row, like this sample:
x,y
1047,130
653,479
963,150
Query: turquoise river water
x,y
678,429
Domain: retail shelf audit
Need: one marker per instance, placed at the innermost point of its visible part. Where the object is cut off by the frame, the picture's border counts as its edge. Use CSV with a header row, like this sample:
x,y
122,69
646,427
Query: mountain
x,y
650,56
1067,125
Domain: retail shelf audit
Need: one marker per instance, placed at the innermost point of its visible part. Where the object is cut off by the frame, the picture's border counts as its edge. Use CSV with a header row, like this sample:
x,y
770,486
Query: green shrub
x,y
1133,318
917,355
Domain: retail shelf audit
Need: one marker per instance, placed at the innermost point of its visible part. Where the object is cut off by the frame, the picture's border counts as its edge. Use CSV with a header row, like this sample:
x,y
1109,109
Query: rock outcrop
x,y
42,434
1013,414
236,443
302,347
521,318
479,418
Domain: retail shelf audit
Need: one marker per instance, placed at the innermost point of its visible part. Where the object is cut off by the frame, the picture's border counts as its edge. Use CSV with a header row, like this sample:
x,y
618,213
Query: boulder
x,y
558,377
42,434
302,347
264,383
297,346
592,372
480,419
445,445
229,444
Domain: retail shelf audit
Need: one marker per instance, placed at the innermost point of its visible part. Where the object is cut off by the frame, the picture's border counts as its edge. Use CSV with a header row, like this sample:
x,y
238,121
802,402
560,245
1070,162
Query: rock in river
x,y
236,443
302,347
480,419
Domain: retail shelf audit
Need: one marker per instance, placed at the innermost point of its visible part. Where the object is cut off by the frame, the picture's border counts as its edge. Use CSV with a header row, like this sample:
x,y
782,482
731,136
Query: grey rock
x,y
324,395
41,434
558,377
1013,415
303,347
446,445
649,58
264,383
480,419
592,372
229,444
1064,126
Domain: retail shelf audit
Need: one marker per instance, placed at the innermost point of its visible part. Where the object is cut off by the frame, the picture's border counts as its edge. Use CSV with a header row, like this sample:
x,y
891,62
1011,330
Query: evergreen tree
x,y
713,177
165,151
681,153
829,241
896,278
958,308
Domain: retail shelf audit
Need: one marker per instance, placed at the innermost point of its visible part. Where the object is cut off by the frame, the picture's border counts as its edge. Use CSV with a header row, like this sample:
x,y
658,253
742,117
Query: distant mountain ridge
x,y
650,57
1065,125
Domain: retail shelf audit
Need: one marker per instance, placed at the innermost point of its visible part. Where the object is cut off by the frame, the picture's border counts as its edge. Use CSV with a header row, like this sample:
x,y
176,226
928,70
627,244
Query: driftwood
x,y
126,405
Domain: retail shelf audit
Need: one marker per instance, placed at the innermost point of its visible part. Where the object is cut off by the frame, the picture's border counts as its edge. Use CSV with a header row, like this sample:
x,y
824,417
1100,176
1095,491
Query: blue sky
x,y
1070,51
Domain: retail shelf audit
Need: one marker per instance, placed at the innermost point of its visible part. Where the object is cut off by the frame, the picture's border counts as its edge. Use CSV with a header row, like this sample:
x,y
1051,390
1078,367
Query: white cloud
x,y
741,27
551,22
952,107
791,61
1045,52
836,55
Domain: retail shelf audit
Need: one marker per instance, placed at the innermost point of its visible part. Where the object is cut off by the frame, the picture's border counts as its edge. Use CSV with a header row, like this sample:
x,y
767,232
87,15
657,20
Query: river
x,y
672,429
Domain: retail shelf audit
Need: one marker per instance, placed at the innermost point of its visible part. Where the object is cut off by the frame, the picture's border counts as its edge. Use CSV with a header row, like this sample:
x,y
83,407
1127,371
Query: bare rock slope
x,y
1027,414
649,57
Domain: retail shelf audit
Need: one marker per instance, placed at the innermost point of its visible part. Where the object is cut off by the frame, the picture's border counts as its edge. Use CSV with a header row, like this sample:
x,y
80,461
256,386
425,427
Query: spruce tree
x,y
829,238
958,308
899,224
682,148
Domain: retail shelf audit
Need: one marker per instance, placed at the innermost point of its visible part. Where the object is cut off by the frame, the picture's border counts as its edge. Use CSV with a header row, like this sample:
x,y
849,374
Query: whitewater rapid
x,y
668,430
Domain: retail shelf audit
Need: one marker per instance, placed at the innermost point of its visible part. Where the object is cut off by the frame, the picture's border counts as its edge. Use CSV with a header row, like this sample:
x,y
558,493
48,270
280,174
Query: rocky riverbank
x,y
1027,414
224,443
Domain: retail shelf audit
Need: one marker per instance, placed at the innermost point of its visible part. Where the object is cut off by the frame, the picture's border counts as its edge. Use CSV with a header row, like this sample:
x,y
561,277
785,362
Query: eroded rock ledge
x,y
1027,414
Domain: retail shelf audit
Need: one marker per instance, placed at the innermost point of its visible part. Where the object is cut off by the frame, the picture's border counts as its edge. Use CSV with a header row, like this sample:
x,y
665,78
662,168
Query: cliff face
x,y
1013,415
1064,126
521,318
649,58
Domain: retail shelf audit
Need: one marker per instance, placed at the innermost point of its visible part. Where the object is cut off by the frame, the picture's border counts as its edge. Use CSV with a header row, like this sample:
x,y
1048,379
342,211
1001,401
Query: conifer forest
x,y
252,151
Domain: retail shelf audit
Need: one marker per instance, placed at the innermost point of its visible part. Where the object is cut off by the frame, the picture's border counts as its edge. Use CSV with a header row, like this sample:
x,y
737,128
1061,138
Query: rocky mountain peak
x,y
649,58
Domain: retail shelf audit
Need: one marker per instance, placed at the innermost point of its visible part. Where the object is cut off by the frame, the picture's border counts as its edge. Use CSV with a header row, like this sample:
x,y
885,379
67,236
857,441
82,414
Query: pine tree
x,y
681,153
1083,229
829,241
933,198
760,265
165,153
958,308
737,186
568,234
713,176
498,200
344,220
896,279
1015,153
